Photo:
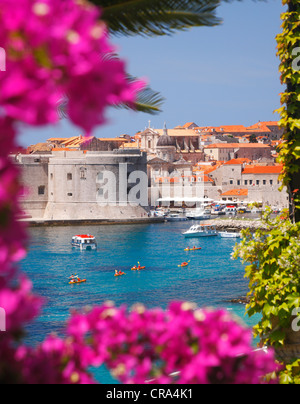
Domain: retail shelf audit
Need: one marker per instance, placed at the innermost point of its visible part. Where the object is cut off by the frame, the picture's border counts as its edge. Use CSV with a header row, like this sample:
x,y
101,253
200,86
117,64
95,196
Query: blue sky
x,y
223,75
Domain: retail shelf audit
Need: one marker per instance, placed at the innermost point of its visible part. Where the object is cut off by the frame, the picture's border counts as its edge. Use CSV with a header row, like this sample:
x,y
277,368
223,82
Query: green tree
x,y
253,139
157,17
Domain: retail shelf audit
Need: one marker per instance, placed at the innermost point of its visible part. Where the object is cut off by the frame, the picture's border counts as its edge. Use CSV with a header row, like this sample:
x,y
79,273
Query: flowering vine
x,y
288,46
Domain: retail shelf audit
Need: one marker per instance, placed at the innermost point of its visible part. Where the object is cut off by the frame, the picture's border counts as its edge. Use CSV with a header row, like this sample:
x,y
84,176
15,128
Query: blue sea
x,y
211,279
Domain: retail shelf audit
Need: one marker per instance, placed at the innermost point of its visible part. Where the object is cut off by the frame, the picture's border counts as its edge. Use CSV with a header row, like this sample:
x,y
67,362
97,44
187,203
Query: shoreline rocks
x,y
239,300
239,224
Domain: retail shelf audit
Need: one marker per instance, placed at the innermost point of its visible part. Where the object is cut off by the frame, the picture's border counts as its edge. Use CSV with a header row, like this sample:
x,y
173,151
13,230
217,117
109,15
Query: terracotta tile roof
x,y
113,139
132,145
263,169
233,128
239,161
188,124
260,127
53,139
63,149
237,146
224,129
178,132
236,192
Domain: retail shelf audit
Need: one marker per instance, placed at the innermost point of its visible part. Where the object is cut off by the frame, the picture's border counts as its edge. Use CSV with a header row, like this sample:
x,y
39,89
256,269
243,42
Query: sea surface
x,y
211,279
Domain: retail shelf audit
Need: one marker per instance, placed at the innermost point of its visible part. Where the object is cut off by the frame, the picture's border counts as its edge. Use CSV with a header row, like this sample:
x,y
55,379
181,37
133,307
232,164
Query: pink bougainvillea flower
x,y
58,48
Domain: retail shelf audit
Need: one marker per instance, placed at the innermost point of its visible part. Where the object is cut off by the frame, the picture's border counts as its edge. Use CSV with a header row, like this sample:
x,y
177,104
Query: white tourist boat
x,y
84,242
201,230
198,214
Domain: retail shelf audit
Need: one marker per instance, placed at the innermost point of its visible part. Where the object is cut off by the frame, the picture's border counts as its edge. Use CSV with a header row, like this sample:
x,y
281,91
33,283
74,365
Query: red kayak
x,y
120,274
137,268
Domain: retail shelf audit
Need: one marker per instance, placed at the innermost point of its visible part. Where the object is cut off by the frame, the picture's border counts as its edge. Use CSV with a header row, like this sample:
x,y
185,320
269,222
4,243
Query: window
x,y
231,182
257,182
271,182
246,182
238,182
70,194
41,190
69,177
264,182
82,173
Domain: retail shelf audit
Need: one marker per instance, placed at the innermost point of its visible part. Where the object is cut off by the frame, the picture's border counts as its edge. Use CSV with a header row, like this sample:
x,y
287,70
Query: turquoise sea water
x,y
211,278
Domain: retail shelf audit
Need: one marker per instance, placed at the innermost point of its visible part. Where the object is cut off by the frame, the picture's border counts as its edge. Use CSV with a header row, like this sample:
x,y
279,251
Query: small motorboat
x,y
84,242
199,214
230,233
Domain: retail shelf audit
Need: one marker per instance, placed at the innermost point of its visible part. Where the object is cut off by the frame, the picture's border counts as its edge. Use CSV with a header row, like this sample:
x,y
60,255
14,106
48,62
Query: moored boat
x,y
199,214
175,217
230,233
231,210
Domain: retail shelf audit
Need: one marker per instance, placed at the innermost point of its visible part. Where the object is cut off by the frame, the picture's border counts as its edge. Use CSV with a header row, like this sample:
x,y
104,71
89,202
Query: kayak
x,y
137,268
121,274
193,249
184,264
74,282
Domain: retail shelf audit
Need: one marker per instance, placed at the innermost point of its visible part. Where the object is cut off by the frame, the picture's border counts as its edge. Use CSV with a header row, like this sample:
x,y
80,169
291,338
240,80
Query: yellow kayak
x,y
79,281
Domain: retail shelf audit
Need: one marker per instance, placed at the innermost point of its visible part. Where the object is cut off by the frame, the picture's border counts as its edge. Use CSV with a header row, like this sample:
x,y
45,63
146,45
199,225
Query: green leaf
x,y
148,101
157,17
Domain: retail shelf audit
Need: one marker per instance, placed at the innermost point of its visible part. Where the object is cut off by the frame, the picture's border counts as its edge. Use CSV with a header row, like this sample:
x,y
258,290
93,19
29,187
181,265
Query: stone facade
x,y
261,181
228,151
84,185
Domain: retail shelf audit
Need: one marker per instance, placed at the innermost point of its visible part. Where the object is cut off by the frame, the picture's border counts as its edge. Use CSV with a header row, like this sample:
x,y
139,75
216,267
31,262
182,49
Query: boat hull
x,y
230,235
84,247
75,283
176,219
200,217
200,234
